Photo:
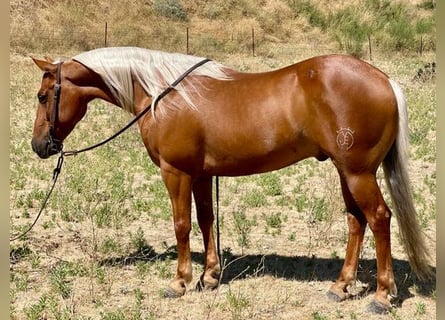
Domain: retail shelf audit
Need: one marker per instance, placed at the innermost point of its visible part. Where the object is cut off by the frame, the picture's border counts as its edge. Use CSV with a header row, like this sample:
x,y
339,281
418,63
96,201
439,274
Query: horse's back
x,y
329,106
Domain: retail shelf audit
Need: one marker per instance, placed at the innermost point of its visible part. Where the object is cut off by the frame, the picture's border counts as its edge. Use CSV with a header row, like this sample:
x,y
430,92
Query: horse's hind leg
x,y
357,226
202,192
366,194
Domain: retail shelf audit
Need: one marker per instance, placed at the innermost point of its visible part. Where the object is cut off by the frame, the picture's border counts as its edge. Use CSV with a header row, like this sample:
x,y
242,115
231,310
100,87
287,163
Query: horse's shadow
x,y
303,268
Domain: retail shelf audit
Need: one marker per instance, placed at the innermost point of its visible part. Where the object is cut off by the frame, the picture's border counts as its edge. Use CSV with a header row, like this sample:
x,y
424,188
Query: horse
x,y
216,121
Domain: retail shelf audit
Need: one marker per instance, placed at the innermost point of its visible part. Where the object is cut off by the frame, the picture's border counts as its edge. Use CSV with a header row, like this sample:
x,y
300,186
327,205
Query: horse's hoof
x,y
209,284
337,296
175,289
378,307
171,294
333,296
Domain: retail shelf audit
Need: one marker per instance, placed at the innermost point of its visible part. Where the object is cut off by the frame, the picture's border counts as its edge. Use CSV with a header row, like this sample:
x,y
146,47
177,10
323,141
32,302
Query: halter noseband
x,y
55,144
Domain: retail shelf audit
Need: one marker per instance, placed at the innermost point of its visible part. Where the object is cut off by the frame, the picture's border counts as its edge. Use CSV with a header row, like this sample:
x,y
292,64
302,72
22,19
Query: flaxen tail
x,y
395,167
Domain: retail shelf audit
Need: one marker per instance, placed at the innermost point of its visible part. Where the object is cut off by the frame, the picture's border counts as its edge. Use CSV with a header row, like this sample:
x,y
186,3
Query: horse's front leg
x,y
202,191
179,188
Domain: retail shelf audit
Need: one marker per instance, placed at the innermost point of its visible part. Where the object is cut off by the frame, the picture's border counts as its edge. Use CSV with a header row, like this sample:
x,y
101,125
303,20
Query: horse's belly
x,y
247,160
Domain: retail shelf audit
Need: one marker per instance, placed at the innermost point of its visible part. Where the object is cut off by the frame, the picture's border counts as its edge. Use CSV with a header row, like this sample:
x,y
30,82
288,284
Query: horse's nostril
x,y
41,148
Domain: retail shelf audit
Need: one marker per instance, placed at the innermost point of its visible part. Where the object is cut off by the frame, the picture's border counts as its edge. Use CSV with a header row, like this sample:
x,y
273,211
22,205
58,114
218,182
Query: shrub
x,y
350,32
306,8
402,34
171,9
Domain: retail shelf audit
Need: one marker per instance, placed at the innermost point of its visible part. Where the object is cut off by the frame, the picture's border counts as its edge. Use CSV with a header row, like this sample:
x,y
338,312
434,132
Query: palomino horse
x,y
220,122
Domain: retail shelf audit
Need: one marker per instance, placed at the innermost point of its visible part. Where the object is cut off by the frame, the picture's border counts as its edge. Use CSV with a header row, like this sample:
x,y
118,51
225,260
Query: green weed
x,y
139,297
254,199
100,273
59,280
160,203
114,315
334,255
273,221
110,245
237,302
353,316
242,226
318,209
271,184
394,314
163,269
433,294
420,308
317,315
142,269
35,311
138,240
21,281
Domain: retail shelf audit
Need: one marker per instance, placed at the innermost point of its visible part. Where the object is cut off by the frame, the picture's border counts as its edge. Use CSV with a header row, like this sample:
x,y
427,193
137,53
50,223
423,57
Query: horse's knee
x,y
182,229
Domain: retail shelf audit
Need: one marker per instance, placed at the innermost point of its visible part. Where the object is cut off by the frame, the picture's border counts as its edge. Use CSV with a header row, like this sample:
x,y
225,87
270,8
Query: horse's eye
x,y
43,98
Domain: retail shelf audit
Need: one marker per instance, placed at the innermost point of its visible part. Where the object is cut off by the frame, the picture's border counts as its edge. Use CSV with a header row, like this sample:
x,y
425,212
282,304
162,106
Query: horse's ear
x,y
45,65
49,59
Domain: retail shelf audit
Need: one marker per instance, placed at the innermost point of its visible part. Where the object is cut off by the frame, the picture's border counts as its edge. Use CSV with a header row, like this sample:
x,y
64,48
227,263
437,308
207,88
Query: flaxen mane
x,y
154,70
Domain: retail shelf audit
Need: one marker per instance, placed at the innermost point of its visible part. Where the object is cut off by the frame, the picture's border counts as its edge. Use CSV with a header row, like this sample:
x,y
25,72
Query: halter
x,y
55,144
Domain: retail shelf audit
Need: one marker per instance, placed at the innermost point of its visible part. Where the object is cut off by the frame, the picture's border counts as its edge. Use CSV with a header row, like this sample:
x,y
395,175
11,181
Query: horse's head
x,y
62,102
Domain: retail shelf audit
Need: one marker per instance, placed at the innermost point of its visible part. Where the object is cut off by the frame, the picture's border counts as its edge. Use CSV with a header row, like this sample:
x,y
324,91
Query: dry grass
x,y
215,27
105,247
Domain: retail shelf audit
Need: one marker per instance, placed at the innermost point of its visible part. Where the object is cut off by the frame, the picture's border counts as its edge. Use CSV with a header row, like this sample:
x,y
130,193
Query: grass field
x,y
105,247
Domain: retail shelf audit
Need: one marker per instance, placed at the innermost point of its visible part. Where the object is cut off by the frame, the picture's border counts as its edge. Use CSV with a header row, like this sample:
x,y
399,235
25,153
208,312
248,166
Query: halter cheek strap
x,y
55,114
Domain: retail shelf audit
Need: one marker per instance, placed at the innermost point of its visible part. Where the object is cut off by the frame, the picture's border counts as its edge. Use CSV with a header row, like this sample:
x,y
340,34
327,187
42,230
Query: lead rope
x,y
45,201
218,244
58,168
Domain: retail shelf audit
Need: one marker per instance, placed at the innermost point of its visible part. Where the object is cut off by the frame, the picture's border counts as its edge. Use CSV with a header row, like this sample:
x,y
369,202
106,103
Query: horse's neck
x,y
141,99
90,84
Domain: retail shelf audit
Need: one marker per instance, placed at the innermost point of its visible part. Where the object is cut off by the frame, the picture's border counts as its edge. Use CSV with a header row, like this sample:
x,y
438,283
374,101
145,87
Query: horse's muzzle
x,y
47,147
